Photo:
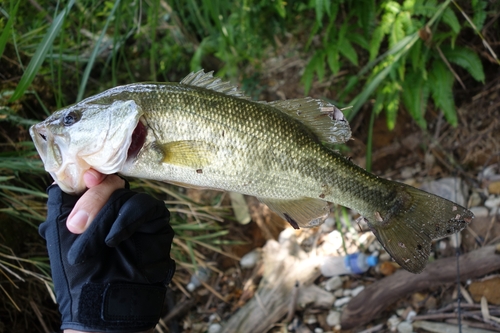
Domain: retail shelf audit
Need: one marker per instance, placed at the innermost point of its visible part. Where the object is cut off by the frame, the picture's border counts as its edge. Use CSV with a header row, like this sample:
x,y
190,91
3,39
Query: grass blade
x,y
4,37
93,56
41,53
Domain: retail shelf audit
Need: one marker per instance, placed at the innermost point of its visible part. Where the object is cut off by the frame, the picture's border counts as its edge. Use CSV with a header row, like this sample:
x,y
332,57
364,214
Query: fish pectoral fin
x,y
302,212
414,219
189,153
323,119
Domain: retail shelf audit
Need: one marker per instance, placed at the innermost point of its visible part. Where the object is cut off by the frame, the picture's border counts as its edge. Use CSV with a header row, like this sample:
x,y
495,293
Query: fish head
x,y
83,136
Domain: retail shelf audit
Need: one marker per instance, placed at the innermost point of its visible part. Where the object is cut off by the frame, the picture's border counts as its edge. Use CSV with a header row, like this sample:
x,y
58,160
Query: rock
x,y
333,318
310,319
318,330
333,283
405,327
479,211
493,201
214,328
393,322
450,188
341,302
250,259
494,188
339,292
357,290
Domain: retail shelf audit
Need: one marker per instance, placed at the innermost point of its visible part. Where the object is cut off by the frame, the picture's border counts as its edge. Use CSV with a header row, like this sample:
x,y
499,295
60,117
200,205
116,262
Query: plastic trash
x,y
356,263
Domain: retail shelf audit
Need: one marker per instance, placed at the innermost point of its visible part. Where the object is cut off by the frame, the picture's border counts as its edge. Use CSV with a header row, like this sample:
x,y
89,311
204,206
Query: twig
x,y
39,316
450,67
373,329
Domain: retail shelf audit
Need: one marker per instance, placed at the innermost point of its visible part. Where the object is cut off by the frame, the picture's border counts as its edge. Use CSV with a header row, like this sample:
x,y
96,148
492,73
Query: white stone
x,y
250,259
392,323
214,328
347,292
333,283
479,211
405,327
357,290
338,292
333,318
492,202
411,315
318,330
341,302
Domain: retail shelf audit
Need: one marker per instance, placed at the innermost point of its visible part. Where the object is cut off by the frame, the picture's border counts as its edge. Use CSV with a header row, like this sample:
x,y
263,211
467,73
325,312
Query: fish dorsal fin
x,y
301,212
208,81
325,120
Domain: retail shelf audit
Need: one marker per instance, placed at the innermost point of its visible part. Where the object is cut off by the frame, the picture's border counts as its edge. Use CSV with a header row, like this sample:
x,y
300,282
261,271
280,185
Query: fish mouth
x,y
138,139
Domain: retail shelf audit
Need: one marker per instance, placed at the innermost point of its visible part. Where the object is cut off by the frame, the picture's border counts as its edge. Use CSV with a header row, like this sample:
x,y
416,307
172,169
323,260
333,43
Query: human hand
x,y
100,187
112,276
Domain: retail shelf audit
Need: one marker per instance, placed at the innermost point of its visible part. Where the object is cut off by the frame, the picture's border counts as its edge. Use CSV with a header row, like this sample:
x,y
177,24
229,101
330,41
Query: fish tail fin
x,y
407,227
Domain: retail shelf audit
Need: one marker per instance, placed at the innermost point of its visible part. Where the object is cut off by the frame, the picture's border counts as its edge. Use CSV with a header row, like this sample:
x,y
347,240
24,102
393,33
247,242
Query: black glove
x,y
113,277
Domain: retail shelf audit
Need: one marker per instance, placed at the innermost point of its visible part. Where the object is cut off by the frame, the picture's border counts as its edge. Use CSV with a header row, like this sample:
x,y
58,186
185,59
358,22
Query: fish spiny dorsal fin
x,y
325,120
208,81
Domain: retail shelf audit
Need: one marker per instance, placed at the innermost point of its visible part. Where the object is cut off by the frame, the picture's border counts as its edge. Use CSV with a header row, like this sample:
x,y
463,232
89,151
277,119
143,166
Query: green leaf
x,y
319,6
397,31
392,104
308,75
348,51
441,84
467,59
375,41
40,54
4,37
479,10
366,12
359,39
450,18
332,57
415,96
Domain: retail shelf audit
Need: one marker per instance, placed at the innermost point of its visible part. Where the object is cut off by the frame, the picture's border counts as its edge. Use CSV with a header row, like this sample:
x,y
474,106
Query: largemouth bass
x,y
205,133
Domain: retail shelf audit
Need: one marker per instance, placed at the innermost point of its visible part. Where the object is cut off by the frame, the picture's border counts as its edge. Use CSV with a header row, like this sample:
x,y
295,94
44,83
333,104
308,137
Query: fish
x,y
206,133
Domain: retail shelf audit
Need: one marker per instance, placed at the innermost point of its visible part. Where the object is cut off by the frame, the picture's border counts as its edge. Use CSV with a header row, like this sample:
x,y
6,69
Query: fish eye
x,y
70,118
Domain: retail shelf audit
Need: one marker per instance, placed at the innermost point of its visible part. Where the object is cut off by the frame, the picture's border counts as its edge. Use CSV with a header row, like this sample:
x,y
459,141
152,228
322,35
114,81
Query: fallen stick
x,y
379,295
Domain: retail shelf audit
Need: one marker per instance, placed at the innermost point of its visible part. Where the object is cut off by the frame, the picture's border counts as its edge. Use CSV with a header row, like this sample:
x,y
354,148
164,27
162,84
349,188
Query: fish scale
x,y
205,133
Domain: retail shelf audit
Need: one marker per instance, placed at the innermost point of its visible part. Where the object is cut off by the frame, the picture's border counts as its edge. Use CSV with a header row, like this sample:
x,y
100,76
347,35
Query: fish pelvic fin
x,y
416,218
188,153
325,120
302,212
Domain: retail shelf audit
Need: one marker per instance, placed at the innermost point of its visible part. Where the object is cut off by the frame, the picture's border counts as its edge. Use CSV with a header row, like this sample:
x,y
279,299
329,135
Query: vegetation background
x,y
412,61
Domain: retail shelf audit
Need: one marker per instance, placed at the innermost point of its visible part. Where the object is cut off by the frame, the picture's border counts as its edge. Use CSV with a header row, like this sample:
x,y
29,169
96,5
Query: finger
x,y
93,178
91,242
91,203
139,213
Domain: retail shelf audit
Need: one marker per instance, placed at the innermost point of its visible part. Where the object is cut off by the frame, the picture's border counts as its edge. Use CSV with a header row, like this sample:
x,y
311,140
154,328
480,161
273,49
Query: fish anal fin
x,y
189,153
325,120
416,218
300,213
208,81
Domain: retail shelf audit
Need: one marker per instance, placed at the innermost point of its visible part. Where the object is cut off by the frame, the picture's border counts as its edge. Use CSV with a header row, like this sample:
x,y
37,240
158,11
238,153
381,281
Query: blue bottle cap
x,y
372,261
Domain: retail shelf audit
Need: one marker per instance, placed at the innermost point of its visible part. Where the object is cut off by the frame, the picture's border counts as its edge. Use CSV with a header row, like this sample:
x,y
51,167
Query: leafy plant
x,y
420,38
